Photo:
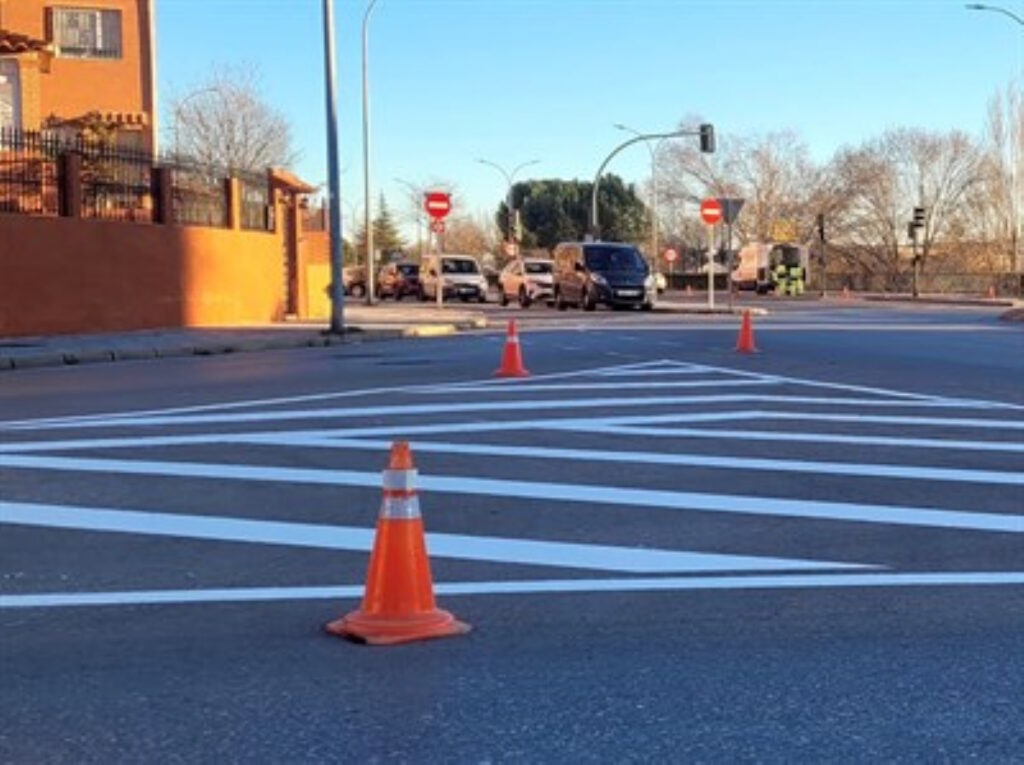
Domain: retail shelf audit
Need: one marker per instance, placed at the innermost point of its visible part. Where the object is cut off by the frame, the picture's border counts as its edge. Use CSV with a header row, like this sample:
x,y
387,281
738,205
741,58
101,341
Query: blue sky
x,y
516,80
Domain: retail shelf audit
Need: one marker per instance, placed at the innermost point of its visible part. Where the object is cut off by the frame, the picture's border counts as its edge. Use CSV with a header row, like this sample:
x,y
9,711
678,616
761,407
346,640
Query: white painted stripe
x,y
791,437
458,546
860,470
298,437
433,408
528,387
523,587
549,492
289,400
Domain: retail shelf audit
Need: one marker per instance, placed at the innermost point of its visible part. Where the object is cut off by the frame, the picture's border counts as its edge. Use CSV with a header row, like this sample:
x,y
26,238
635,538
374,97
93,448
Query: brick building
x,y
70,64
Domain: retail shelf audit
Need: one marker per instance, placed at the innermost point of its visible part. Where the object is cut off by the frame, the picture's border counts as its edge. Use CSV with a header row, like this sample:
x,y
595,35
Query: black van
x,y
612,273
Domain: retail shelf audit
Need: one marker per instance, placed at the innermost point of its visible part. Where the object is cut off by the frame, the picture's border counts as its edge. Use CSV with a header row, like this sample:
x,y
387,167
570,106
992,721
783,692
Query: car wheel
x,y
423,295
560,303
587,302
648,306
482,298
502,297
524,298
357,291
399,294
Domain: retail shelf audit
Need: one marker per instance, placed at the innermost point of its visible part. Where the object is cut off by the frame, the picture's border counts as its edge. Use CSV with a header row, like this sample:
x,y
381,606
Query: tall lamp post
x,y
509,178
1018,264
654,186
333,176
367,213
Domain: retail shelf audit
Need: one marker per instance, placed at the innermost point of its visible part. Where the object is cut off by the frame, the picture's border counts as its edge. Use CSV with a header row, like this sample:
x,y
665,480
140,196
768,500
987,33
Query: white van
x,y
460,276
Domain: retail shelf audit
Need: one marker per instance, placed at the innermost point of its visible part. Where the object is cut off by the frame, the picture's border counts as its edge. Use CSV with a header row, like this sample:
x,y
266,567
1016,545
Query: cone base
x,y
742,349
511,373
362,627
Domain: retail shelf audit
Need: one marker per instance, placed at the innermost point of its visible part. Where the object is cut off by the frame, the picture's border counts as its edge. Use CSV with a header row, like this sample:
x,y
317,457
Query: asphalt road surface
x,y
667,551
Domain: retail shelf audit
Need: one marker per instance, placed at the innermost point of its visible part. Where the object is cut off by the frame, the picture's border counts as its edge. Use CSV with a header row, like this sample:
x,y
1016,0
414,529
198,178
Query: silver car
x,y
526,280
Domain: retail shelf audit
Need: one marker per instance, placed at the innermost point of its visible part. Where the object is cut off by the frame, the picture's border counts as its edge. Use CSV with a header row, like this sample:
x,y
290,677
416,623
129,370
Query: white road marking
x,y
523,587
434,408
549,492
635,560
789,436
527,387
860,470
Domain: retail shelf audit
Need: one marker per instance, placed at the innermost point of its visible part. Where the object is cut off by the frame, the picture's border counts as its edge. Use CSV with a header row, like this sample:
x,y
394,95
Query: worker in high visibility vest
x,y
796,280
779,277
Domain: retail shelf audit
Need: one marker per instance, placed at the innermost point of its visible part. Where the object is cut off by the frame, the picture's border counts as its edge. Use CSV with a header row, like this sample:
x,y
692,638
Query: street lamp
x,y
333,176
509,178
366,154
654,186
1018,264
707,146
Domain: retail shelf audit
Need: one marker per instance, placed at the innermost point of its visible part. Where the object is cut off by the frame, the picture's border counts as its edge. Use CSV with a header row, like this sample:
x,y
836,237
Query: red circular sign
x,y
711,211
437,204
671,255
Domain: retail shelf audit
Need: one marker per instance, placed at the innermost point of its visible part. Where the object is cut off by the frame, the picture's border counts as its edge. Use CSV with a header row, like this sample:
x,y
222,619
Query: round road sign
x,y
437,204
711,211
671,255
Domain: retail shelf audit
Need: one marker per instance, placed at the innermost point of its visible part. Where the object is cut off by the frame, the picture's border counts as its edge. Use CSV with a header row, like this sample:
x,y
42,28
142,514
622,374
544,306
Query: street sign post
x,y
711,211
731,207
437,204
671,256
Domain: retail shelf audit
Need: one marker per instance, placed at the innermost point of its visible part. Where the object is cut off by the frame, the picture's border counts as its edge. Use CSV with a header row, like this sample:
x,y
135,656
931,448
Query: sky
x,y
511,81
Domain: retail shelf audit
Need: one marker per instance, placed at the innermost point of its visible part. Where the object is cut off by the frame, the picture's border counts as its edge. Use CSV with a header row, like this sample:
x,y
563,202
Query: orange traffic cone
x,y
398,604
512,358
745,344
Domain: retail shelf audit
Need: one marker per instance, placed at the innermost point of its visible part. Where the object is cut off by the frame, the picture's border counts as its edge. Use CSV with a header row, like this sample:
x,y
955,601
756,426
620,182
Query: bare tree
x,y
463,234
225,121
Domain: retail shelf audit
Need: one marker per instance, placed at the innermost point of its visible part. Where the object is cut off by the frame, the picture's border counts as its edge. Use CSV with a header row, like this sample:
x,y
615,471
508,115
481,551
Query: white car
x,y
460,276
526,280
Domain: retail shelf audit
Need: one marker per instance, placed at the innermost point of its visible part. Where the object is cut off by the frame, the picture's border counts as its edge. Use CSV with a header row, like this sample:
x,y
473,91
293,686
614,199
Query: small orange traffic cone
x,y
398,603
745,344
512,358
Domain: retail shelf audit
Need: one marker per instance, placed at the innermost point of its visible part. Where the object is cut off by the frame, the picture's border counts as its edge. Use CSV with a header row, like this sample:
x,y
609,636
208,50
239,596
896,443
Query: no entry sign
x,y
437,204
711,211
671,255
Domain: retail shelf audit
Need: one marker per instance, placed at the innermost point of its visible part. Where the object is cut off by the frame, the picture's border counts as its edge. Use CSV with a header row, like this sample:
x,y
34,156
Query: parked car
x,y
615,274
353,279
460,277
398,280
526,280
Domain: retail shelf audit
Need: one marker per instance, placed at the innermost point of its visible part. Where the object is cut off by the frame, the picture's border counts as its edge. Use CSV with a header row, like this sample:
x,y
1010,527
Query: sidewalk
x,y
362,325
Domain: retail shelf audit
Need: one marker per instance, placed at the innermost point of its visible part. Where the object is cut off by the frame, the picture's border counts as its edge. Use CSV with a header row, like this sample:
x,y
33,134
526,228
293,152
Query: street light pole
x,y
333,177
654,188
1018,263
367,222
509,178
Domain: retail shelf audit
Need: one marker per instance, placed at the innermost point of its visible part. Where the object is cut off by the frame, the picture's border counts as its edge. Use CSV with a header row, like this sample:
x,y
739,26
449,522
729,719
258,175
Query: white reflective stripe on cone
x,y
400,508
400,480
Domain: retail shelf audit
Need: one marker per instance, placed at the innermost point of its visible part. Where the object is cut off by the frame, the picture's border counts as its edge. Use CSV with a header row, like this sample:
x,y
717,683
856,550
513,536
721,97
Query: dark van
x,y
611,273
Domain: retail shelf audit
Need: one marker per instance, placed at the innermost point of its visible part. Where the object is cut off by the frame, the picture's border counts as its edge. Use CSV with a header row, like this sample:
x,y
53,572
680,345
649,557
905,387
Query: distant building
x,y
78,65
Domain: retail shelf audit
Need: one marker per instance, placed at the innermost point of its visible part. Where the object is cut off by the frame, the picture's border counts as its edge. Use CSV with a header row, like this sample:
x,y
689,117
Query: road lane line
x,y
524,587
635,560
432,408
548,492
681,459
527,386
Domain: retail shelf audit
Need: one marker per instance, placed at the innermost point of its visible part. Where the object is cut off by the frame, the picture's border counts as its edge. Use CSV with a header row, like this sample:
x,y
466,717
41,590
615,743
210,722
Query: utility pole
x,y
333,176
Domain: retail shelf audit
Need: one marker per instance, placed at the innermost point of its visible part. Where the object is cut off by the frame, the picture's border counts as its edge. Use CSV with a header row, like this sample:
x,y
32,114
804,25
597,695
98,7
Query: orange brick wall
x,y
61,275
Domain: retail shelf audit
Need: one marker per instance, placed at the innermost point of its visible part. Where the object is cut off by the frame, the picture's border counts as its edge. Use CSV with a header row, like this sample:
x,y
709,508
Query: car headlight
x,y
598,279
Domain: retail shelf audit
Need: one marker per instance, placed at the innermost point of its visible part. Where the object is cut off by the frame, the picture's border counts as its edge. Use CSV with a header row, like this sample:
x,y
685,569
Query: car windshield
x,y
600,258
538,267
459,266
409,269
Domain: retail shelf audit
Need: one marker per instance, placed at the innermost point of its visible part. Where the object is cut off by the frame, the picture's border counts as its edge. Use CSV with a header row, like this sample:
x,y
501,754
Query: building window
x,y
10,95
86,32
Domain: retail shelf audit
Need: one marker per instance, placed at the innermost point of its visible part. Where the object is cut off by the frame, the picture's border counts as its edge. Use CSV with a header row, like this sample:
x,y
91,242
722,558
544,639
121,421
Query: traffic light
x,y
919,217
821,226
707,139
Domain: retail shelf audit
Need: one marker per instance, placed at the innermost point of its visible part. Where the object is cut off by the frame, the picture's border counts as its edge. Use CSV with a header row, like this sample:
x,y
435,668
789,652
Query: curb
x,y
982,302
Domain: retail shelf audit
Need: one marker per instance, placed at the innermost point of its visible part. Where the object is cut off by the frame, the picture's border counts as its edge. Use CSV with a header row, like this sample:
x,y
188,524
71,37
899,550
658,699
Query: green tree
x,y
553,211
386,236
